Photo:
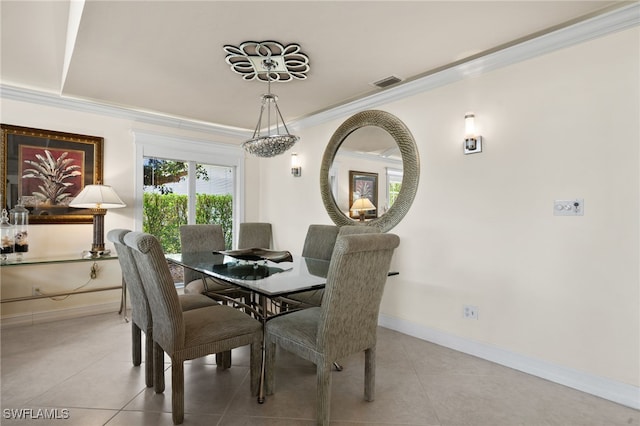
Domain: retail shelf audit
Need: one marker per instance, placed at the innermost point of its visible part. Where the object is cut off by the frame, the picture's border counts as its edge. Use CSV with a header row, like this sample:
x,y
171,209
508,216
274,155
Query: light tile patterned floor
x,y
84,366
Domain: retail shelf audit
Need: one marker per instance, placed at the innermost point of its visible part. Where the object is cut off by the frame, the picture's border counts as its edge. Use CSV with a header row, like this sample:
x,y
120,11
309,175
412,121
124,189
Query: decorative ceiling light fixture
x,y
268,61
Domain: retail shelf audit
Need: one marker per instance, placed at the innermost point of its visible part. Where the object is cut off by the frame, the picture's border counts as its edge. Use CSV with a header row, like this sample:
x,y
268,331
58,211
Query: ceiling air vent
x,y
386,82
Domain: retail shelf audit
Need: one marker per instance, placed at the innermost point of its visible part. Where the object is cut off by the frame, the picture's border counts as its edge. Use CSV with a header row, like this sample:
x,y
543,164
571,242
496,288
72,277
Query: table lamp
x,y
97,198
361,206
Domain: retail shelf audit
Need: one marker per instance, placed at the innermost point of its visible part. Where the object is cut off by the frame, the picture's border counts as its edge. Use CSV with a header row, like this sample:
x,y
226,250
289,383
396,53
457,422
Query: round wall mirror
x,y
371,155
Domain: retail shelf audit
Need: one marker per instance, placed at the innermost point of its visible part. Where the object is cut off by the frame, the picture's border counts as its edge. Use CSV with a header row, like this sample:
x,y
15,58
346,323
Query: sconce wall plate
x,y
473,145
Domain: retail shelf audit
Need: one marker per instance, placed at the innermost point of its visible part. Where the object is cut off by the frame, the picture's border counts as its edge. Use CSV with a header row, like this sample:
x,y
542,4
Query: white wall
x,y
561,290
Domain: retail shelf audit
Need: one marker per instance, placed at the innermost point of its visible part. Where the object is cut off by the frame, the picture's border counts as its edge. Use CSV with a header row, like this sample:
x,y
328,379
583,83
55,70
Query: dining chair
x,y
140,311
345,323
254,235
208,237
319,244
191,334
319,241
358,229
196,238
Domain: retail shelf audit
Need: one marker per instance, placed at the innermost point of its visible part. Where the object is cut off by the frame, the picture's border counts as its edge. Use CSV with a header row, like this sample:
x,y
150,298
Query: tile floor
x,y
84,365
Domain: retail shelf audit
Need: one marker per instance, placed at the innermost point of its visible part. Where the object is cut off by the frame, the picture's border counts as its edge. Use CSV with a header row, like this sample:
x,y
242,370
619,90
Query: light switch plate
x,y
573,207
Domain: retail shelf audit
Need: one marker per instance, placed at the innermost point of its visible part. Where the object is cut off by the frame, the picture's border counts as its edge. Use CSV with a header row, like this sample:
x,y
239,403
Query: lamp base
x,y
91,254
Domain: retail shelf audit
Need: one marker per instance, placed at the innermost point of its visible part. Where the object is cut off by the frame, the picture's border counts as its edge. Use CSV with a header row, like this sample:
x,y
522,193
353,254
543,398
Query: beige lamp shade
x,y
362,204
97,197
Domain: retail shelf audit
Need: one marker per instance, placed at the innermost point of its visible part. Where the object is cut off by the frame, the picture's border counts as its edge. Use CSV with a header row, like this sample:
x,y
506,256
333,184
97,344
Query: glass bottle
x,y
7,235
19,217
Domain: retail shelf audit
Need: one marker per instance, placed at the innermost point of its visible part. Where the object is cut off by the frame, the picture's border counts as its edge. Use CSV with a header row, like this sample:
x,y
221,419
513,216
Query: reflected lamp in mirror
x,y
362,206
296,168
472,142
97,198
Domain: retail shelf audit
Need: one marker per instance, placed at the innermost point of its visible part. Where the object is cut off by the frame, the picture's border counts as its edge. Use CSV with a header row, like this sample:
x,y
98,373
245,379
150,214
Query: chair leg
x,y
269,367
158,368
370,374
223,359
148,360
177,394
323,398
136,342
255,367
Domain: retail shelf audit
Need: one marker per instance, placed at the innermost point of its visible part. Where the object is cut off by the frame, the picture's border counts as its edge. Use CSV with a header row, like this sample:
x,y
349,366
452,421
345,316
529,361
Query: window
x,y
181,181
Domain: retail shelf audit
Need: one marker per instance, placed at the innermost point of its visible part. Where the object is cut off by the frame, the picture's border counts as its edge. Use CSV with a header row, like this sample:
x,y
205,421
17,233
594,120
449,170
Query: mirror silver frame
x,y
410,163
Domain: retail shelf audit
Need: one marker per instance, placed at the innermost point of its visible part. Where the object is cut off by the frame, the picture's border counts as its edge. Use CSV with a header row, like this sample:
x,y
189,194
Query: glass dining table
x,y
262,277
268,283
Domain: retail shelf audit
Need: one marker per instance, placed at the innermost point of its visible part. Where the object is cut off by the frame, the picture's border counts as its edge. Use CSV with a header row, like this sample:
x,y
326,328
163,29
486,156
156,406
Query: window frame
x,y
192,151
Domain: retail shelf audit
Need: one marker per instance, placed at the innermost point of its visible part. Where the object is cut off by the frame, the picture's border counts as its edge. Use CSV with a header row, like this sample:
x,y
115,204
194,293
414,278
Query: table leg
x,y
263,303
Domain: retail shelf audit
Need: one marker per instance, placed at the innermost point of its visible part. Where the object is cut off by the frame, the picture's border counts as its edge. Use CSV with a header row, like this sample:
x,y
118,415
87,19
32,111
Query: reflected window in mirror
x,y
394,185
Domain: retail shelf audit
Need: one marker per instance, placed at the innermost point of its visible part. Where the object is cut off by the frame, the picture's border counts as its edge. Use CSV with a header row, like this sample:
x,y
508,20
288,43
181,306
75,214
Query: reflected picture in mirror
x,y
363,186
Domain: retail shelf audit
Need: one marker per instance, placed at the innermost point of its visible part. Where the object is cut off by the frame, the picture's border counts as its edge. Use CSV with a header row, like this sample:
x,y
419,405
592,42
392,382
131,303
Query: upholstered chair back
x,y
319,242
352,296
200,237
166,311
254,235
140,310
358,229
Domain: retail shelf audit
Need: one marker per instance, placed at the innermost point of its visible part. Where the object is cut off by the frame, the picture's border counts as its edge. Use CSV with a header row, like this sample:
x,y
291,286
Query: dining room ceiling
x,y
167,57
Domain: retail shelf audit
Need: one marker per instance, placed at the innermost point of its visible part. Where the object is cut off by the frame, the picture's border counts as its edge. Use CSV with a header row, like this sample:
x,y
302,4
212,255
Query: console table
x,y
29,261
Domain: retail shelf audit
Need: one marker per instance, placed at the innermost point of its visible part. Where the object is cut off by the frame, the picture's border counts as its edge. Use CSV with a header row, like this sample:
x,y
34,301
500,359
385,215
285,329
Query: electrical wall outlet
x,y
470,312
35,290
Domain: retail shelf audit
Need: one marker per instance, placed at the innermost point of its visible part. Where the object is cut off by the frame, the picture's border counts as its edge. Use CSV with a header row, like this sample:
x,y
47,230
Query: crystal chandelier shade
x,y
274,139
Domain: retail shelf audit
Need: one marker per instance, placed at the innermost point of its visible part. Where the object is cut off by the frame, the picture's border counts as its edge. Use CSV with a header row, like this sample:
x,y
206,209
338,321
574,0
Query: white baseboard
x,y
611,390
58,314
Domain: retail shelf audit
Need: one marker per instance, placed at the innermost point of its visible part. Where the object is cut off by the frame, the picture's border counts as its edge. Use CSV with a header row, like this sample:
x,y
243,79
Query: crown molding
x,y
613,20
55,100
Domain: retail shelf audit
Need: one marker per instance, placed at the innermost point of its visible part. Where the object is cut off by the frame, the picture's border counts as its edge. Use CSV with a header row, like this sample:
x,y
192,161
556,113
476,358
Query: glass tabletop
x,y
263,277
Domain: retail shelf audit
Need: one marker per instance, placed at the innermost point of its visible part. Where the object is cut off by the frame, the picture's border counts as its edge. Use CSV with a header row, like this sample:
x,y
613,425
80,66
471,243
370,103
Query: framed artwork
x,y
363,185
46,170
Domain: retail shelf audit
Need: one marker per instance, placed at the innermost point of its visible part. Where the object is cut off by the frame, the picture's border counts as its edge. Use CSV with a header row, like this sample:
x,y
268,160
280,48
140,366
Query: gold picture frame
x,y
46,169
365,185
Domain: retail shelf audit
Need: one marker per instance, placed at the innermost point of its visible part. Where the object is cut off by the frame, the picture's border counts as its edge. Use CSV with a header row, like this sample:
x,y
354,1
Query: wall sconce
x,y
472,142
296,169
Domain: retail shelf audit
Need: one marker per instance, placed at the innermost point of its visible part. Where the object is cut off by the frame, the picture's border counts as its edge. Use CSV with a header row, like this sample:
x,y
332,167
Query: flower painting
x,y
46,169
50,176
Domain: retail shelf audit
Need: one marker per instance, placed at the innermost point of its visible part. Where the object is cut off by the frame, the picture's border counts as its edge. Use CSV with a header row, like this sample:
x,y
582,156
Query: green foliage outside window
x,y
394,190
164,213
216,209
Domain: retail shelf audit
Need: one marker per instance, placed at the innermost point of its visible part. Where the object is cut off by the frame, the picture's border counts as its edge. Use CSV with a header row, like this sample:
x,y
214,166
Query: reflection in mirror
x,y
368,151
380,142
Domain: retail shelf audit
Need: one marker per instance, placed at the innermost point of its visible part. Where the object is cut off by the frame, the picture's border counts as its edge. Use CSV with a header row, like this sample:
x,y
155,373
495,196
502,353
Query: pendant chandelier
x,y
268,61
